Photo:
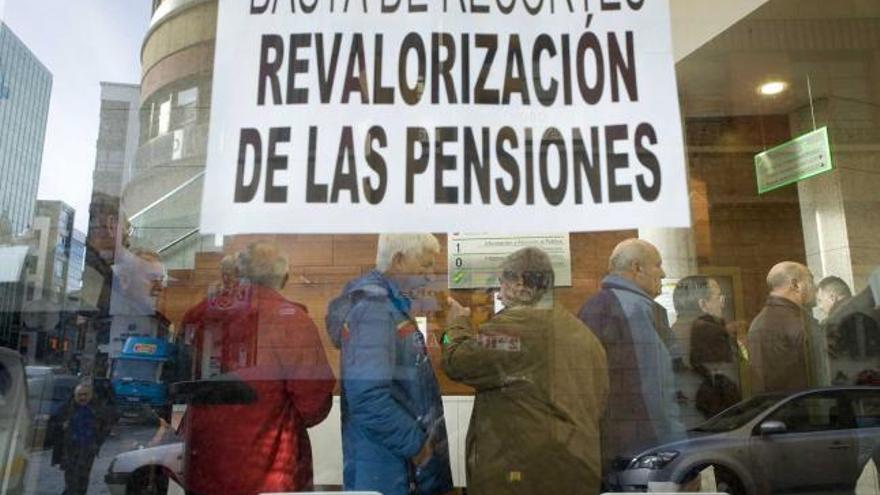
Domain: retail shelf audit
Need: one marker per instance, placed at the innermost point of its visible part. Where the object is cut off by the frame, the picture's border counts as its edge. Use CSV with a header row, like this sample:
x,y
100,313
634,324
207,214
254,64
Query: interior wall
x,y
735,228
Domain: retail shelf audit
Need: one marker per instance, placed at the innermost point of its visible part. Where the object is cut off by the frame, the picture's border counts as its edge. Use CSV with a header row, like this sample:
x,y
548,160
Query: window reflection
x,y
754,335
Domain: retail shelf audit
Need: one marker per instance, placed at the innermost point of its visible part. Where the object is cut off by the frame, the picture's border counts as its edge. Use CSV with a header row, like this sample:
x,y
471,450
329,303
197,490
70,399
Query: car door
x,y
866,411
13,421
817,451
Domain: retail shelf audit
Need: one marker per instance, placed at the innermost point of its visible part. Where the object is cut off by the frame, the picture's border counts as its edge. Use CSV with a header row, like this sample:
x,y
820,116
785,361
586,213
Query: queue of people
x,y
558,400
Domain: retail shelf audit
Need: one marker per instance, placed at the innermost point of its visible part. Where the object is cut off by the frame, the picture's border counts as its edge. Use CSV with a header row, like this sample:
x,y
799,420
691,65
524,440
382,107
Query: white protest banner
x,y
505,116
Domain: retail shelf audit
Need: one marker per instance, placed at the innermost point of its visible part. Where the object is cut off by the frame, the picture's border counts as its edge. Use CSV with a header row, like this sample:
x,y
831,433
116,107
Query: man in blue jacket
x,y
393,431
634,329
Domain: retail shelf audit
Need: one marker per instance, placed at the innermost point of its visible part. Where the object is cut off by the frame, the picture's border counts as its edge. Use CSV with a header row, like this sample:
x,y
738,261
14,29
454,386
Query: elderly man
x,y
783,337
139,280
393,432
541,381
84,427
269,345
642,410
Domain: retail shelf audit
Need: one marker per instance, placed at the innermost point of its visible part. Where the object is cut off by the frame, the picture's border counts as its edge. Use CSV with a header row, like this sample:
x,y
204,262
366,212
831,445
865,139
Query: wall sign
x,y
794,161
475,260
417,115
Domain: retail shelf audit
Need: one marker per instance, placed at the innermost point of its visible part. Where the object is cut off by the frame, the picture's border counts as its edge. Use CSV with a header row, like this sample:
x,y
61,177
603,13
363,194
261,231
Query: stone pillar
x,y
677,248
839,209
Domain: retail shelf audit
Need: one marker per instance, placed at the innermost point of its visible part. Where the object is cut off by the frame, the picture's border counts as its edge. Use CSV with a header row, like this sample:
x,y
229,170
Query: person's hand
x,y
456,310
424,455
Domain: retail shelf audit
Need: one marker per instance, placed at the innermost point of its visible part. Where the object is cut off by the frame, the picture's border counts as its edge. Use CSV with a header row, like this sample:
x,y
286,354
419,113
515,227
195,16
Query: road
x,y
44,479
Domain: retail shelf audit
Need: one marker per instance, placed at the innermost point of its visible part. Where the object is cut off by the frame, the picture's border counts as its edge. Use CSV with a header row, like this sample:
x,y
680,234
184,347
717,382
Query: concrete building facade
x,y
163,198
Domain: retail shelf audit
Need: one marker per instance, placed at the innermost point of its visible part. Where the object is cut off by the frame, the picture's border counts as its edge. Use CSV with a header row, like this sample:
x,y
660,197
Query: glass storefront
x,y
416,247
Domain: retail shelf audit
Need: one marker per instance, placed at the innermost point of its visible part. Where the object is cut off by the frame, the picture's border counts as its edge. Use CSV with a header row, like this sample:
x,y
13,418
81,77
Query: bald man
x,y
634,330
780,336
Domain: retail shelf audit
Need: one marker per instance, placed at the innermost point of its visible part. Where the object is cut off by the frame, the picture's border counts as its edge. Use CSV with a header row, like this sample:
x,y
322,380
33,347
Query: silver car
x,y
816,441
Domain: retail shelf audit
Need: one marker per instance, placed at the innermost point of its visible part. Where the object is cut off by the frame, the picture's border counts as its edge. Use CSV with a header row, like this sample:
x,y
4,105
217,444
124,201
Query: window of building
x,y
186,109
695,183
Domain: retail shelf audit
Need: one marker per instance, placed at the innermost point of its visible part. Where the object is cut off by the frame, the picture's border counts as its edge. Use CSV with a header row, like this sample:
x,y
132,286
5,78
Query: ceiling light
x,y
772,88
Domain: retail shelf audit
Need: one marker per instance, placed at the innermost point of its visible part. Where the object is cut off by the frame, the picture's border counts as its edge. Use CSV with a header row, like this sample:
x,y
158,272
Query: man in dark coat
x,y
782,336
84,427
642,410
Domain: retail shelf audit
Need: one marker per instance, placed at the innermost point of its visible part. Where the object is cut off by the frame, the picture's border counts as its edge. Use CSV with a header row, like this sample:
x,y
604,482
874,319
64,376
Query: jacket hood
x,y
372,285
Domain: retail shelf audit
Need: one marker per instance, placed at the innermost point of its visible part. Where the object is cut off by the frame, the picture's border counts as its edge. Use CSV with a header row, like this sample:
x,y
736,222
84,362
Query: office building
x,y
25,87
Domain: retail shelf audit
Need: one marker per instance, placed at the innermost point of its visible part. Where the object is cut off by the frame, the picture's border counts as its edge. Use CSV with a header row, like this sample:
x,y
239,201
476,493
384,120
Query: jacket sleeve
x,y
290,352
602,379
312,386
468,360
368,368
656,375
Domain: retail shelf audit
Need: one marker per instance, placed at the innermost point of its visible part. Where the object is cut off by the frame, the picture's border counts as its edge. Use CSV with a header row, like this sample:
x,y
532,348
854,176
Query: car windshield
x,y
136,370
739,414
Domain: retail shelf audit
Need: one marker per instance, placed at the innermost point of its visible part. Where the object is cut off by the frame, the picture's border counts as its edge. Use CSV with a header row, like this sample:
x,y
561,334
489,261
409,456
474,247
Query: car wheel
x,y
148,481
728,482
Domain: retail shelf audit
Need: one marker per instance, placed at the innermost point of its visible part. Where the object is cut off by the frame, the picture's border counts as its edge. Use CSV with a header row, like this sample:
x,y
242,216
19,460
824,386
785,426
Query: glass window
x,y
127,369
866,407
603,241
187,106
817,412
164,117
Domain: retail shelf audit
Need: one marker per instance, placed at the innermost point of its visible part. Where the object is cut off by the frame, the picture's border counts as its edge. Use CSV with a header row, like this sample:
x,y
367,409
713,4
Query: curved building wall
x,y
163,195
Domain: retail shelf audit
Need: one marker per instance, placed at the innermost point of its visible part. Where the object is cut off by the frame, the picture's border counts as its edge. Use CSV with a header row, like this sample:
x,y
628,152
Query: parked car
x,y
816,441
146,471
13,422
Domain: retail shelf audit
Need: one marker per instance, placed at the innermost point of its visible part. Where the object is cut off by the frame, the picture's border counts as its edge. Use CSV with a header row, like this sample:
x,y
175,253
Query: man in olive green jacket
x,y
541,381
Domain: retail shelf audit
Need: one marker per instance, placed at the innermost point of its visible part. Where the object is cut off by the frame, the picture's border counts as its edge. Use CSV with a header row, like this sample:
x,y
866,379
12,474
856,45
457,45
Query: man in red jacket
x,y
269,344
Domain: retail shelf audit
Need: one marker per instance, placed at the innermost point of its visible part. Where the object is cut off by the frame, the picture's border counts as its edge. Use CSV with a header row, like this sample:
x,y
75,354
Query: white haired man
x,y
780,336
393,432
642,409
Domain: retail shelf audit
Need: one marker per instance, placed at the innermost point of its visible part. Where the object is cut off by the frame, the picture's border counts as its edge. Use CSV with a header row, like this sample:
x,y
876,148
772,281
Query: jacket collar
x,y
263,293
783,302
400,301
618,282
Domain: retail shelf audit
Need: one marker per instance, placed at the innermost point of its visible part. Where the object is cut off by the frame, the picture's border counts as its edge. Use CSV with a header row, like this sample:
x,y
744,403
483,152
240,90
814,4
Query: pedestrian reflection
x,y
268,381
138,283
83,427
541,381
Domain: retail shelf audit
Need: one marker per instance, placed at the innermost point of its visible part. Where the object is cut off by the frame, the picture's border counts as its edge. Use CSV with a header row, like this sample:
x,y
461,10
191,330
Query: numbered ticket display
x,y
475,259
